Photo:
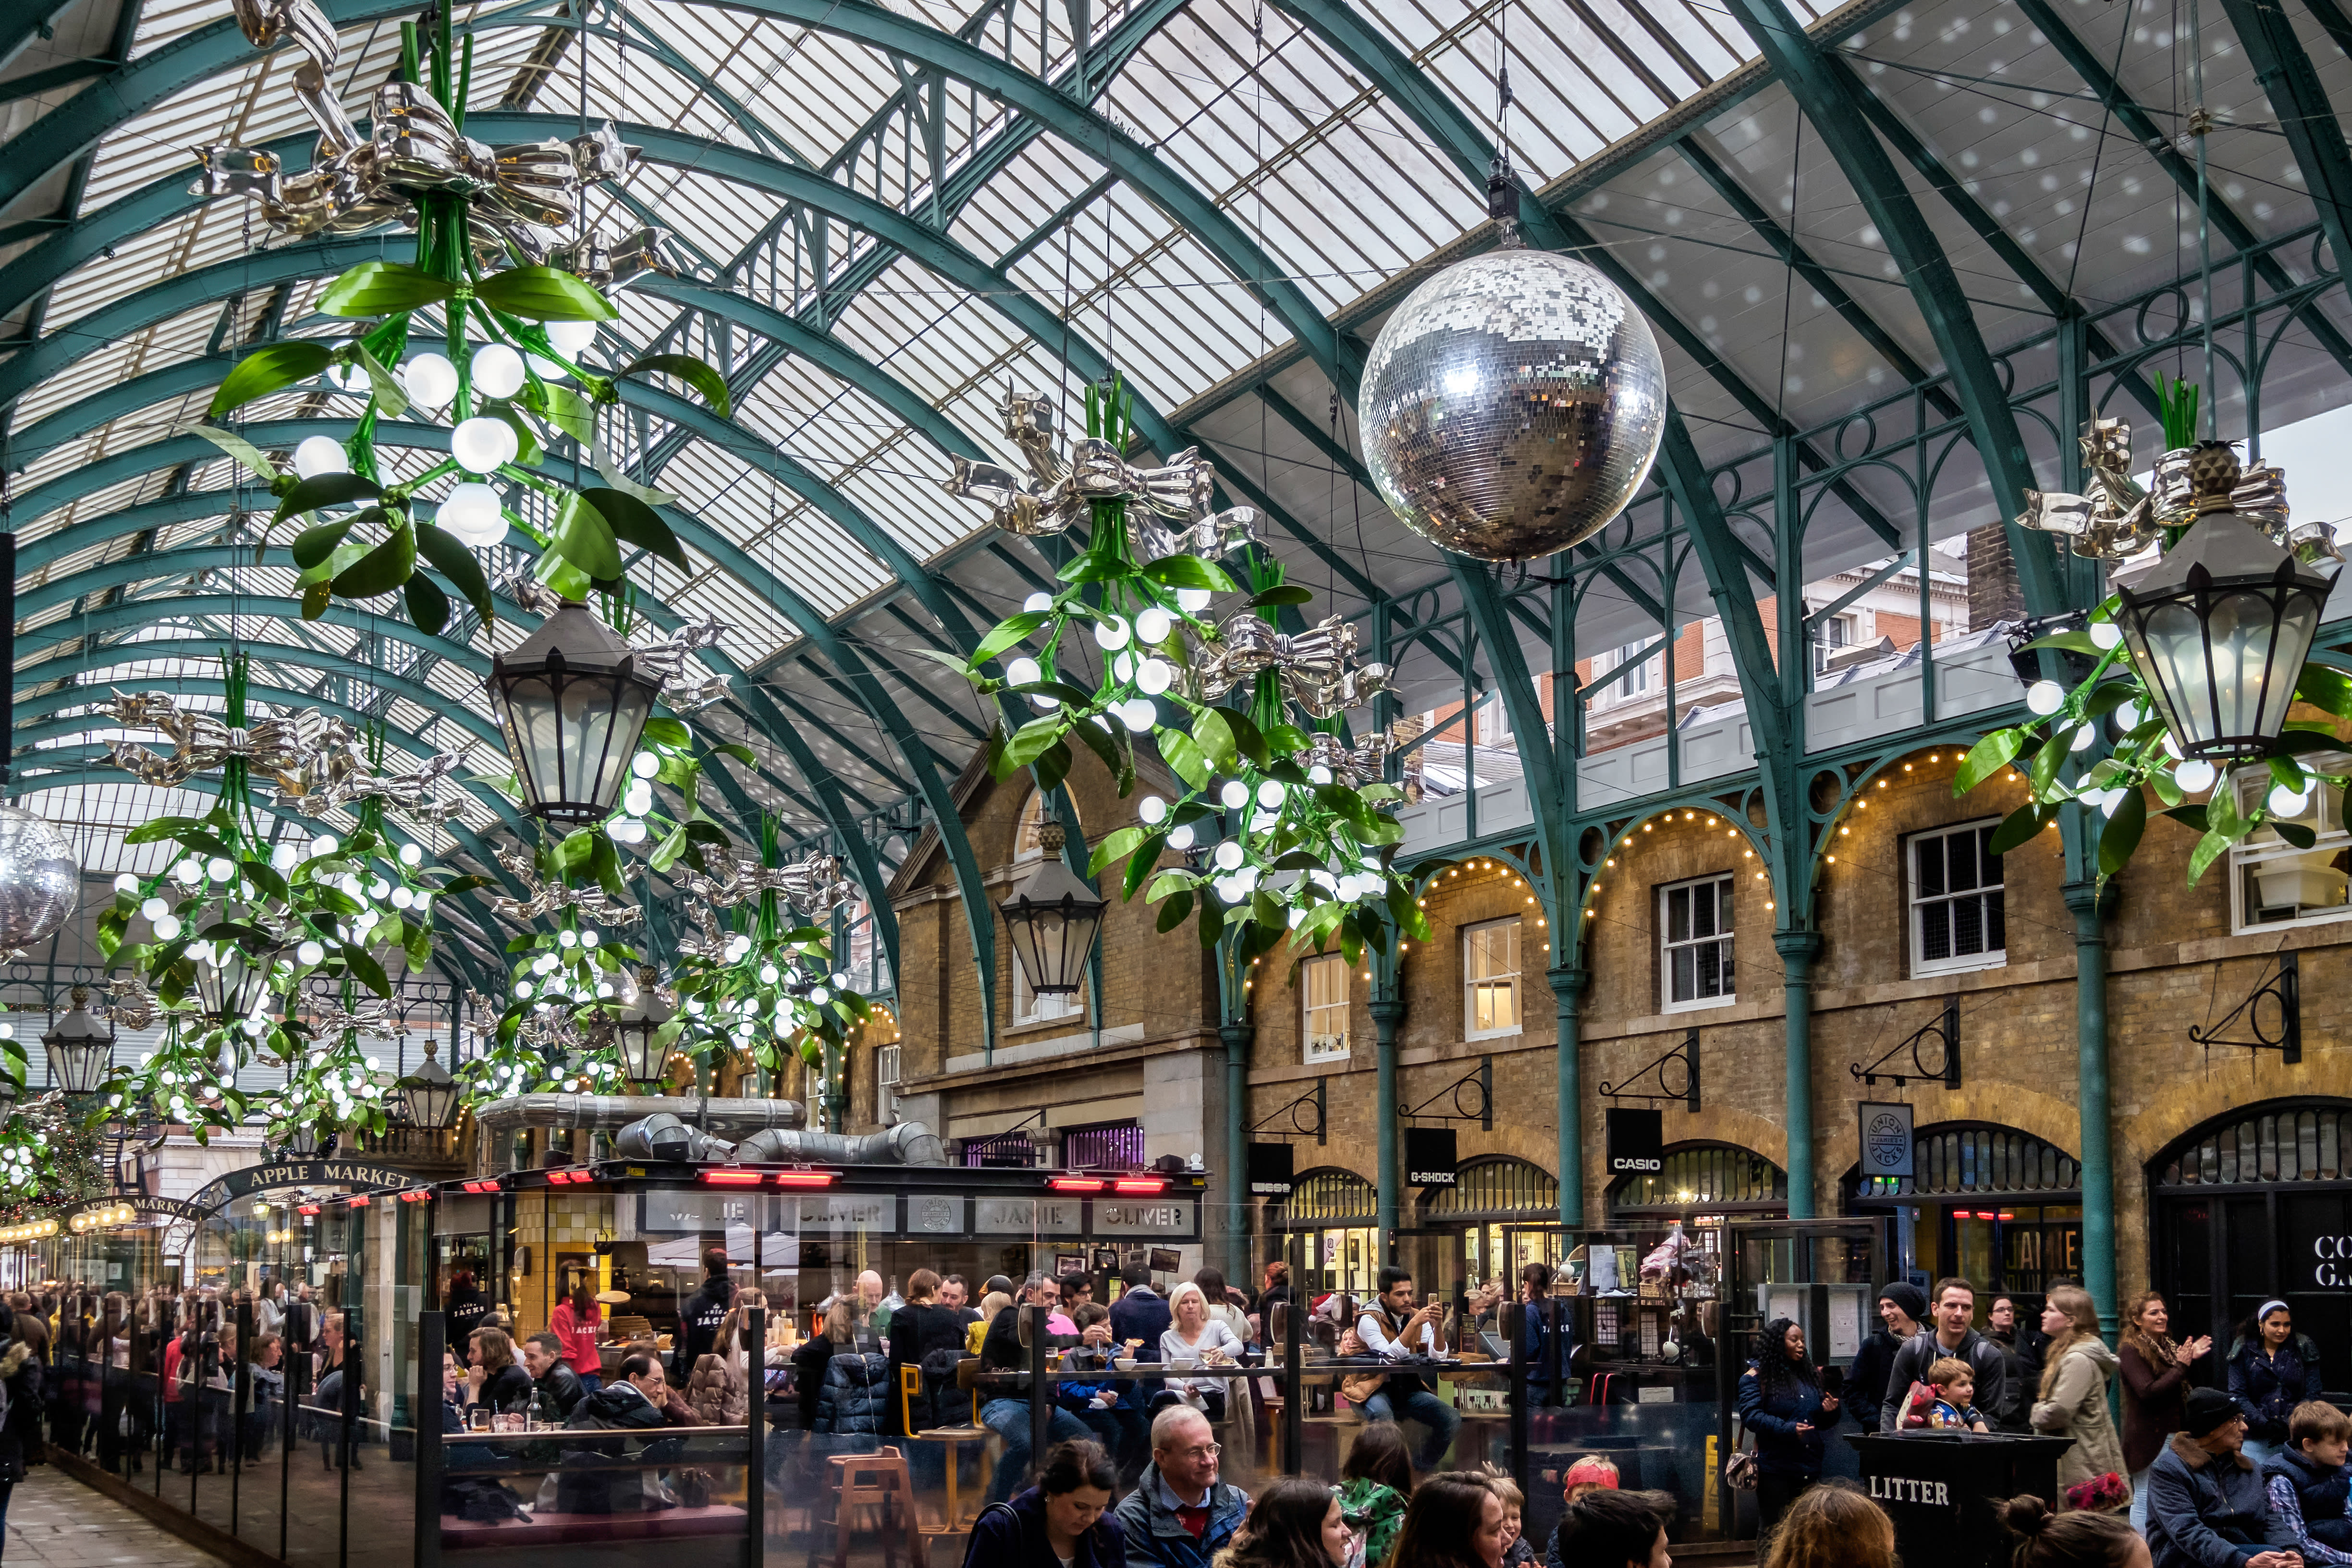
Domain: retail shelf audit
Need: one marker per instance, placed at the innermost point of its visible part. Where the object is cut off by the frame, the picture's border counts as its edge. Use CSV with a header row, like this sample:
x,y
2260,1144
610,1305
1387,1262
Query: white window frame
x,y
1030,1010
2265,846
1471,984
1640,683
887,1069
1826,647
1494,721
1915,905
1725,936
1328,965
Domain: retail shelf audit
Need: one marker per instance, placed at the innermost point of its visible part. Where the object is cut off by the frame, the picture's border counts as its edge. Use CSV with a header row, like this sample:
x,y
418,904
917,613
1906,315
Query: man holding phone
x,y
1394,1329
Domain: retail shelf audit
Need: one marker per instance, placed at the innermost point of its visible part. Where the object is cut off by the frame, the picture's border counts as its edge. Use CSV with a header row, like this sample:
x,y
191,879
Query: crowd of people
x,y
2247,1471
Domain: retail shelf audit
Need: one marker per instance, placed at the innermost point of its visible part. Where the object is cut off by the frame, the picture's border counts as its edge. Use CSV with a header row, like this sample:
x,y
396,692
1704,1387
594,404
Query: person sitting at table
x,y
1196,1339
555,1384
1394,1329
494,1382
1006,1411
1108,1407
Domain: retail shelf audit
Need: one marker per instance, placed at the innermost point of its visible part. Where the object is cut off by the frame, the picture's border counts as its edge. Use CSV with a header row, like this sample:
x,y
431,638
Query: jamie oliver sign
x,y
1145,1216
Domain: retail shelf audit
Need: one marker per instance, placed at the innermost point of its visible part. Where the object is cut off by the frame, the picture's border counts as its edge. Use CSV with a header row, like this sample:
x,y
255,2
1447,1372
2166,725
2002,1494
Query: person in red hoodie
x,y
578,1321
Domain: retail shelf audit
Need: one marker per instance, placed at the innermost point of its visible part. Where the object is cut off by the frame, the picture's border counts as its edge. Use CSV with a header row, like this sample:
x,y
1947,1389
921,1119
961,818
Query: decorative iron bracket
x,y
1686,1054
1945,1027
1314,1096
2283,990
1482,1081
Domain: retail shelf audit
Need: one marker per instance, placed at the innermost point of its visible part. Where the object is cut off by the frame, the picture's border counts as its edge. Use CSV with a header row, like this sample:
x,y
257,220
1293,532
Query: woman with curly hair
x,y
1833,1526
1781,1405
1295,1523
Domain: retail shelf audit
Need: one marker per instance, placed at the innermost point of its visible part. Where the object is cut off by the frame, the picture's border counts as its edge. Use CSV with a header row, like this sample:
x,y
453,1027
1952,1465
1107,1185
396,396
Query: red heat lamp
x,y
358,1201
488,1185
1131,1186
739,1178
568,1175
417,1196
1140,1185
306,1208
1078,1184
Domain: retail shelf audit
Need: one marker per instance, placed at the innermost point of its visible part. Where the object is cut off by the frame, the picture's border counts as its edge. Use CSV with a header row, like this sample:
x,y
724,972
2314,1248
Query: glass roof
x,y
785,142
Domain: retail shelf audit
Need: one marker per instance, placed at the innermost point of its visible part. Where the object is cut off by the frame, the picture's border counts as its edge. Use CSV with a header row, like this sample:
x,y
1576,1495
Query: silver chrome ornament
x,y
41,880
1512,404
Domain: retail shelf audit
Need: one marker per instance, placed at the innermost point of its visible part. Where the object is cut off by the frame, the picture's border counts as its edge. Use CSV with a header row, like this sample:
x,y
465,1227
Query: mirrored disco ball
x,y
39,881
1512,405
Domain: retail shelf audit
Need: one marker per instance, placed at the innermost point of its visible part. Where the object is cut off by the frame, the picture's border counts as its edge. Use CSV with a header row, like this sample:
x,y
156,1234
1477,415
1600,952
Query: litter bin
x,y
1943,1489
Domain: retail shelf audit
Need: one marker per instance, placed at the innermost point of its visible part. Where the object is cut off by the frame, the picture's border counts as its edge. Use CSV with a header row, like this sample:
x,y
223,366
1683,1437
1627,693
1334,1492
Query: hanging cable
x,y
2201,121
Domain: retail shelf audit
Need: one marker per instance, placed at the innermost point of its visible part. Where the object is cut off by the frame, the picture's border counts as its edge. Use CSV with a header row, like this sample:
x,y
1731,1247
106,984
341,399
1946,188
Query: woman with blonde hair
x,y
1832,1525
2072,1399
1194,1339
995,1301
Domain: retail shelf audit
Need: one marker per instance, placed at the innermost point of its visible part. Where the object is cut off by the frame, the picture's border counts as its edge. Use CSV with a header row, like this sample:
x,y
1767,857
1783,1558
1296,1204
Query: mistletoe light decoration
x,y
235,922
1283,828
2194,660
471,205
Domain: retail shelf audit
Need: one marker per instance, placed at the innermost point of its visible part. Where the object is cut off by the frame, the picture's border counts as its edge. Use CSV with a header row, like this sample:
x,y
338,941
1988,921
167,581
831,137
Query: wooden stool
x,y
953,1439
877,1483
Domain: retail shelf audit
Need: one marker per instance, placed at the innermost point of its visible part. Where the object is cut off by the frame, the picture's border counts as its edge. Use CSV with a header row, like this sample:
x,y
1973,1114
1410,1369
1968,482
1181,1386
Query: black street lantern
x,y
231,983
80,1048
573,704
1053,918
645,1055
2221,624
429,1095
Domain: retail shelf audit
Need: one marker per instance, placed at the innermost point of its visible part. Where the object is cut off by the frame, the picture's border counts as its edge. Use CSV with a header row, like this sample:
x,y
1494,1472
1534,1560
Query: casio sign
x,y
1622,1162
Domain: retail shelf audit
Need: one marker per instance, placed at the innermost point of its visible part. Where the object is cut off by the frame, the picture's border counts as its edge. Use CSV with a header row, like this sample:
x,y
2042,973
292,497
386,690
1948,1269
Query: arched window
x,y
1977,1159
1704,1176
1330,1196
1498,1186
1027,842
2290,1143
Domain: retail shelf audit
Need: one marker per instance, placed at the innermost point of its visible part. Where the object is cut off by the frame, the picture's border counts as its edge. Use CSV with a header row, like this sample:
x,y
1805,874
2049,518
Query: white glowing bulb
x,y
403,899
430,381
1318,773
1193,601
1123,667
1228,856
571,339
2285,801
522,989
325,844
2080,741
1269,794
1235,796
310,952
769,975
479,445
348,378
167,927
1152,810
587,938
188,871
282,859
471,514
1111,633
820,995
627,830
498,370
1137,714
2105,635
644,764
1022,672
379,888
1152,625
2194,775
639,799
2129,717
543,964
1154,676
1038,604
154,908
1180,837
567,939
126,883
2045,696
318,455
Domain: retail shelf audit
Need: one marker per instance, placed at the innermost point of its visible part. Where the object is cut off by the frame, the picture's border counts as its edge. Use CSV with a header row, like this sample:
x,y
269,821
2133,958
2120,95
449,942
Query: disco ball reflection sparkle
x,y
39,881
1512,404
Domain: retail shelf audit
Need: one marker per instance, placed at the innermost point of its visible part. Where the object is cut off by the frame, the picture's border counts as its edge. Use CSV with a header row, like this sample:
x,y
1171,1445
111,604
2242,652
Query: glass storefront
x,y
1990,1205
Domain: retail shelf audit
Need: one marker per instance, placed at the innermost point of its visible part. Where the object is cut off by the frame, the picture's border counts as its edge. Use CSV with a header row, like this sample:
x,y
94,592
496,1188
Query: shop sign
x,y
2334,1270
1161,1216
1270,1171
934,1214
1429,1156
1911,1489
1886,1142
687,1213
1027,1217
848,1211
1637,1141
301,1173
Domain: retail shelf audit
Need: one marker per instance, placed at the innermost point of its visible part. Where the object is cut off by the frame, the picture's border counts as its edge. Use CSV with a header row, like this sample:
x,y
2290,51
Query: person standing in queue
x,y
2272,1368
1954,1308
2155,1368
1901,1305
1781,1404
2021,1345
2072,1399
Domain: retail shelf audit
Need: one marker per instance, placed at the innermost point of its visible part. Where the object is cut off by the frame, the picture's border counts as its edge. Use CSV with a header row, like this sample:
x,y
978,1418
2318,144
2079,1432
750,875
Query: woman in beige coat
x,y
2073,1403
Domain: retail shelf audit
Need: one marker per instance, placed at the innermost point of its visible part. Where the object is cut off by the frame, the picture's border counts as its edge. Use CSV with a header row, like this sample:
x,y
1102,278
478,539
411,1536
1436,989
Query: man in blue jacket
x,y
1180,1515
2206,1505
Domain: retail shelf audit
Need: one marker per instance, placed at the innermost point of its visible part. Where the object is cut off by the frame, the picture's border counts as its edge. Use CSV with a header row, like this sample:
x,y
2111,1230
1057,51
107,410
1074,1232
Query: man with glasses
x,y
1179,1514
1007,1413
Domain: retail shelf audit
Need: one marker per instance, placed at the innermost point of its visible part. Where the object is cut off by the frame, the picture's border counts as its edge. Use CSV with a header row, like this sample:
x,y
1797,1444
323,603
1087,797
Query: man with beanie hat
x,y
2206,1507
1952,1334
1900,1307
